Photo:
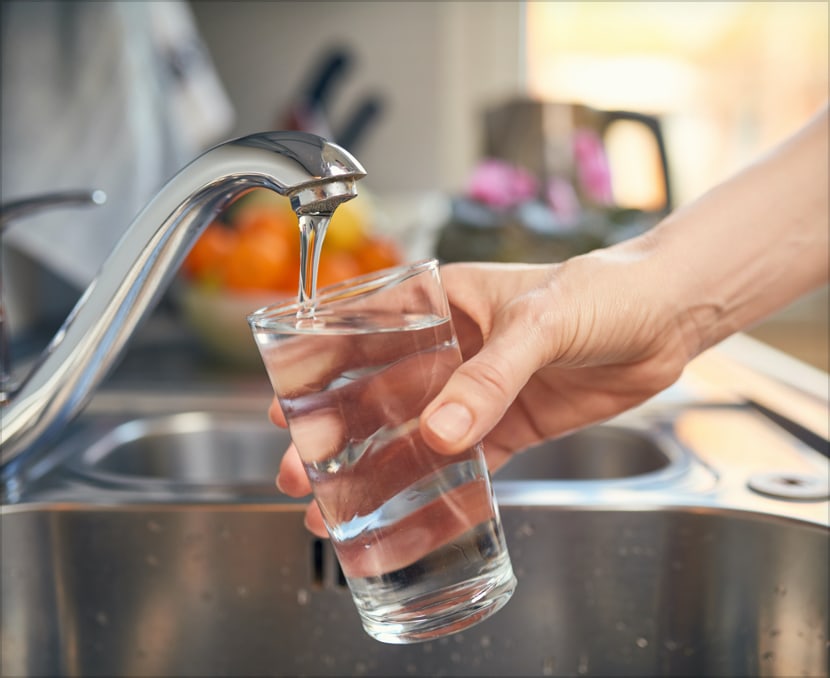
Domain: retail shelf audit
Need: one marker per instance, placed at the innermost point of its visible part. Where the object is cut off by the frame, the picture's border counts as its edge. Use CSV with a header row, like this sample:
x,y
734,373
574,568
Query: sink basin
x,y
215,448
597,453
157,545
188,448
232,590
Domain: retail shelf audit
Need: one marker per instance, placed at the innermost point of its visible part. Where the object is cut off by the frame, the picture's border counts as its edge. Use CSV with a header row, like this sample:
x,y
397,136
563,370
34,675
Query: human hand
x,y
547,349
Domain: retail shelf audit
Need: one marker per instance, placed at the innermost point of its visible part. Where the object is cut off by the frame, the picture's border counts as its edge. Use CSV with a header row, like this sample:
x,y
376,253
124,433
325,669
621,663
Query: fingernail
x,y
450,422
279,487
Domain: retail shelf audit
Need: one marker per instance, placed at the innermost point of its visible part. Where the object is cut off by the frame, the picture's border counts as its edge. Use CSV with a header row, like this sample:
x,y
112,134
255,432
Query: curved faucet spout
x,y
315,174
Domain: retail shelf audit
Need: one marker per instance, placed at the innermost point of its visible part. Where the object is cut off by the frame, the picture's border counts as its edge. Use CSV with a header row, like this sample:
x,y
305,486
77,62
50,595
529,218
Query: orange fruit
x,y
260,261
208,255
378,253
267,219
335,267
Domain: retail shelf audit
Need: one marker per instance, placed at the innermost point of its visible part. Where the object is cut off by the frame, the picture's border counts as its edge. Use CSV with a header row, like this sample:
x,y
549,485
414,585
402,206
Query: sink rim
x,y
81,466
86,449
661,503
687,482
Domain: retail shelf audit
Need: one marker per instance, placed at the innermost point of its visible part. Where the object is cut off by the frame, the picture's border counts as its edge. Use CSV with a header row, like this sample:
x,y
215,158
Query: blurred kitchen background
x,y
515,130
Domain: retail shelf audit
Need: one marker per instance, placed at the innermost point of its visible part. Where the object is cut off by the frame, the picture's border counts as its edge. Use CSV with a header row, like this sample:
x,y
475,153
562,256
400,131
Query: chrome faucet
x,y
313,173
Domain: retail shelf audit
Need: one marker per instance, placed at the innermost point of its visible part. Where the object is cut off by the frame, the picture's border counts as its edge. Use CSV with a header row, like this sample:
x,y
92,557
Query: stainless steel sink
x,y
599,453
215,448
181,590
158,546
197,448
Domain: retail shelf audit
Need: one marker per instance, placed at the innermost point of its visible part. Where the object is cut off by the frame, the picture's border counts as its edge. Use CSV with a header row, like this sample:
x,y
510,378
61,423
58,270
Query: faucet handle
x,y
17,209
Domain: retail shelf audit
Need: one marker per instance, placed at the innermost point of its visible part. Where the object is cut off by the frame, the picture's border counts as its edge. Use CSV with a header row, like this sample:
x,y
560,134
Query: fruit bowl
x,y
218,319
249,257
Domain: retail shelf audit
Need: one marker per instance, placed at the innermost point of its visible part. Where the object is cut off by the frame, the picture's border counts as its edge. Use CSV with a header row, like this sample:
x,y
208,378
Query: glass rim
x,y
345,289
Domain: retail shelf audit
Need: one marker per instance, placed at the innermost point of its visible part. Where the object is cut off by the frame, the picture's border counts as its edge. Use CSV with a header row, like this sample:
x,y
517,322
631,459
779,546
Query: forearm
x,y
749,246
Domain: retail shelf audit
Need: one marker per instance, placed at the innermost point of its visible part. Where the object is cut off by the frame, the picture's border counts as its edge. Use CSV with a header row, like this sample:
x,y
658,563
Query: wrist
x,y
749,246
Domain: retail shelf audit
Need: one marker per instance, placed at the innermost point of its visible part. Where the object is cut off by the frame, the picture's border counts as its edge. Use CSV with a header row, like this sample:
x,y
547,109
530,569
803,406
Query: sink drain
x,y
796,486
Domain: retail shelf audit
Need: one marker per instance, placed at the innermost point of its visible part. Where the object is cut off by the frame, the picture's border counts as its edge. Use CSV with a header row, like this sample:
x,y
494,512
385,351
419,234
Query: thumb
x,y
479,392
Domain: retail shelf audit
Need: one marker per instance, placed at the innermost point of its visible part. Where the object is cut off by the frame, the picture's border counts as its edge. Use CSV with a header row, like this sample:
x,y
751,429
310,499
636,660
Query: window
x,y
728,79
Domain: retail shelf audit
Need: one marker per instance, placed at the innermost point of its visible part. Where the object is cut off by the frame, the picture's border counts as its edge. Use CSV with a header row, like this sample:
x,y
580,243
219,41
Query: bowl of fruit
x,y
250,257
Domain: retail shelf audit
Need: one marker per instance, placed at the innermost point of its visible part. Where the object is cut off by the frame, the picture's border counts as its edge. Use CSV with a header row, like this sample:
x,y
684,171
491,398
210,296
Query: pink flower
x,y
563,200
592,168
501,185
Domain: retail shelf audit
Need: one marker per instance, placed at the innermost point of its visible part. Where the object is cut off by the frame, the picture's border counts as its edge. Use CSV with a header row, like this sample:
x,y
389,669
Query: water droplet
x,y
151,560
455,657
582,667
548,666
485,641
767,656
620,626
525,530
153,526
302,597
360,668
642,642
774,632
102,618
285,570
411,669
242,591
671,645
428,648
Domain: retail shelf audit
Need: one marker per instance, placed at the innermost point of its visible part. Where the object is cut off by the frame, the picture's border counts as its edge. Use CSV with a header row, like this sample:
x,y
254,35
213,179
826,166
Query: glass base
x,y
443,612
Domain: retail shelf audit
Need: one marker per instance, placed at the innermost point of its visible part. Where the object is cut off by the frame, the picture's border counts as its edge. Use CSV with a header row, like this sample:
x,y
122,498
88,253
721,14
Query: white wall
x,y
436,63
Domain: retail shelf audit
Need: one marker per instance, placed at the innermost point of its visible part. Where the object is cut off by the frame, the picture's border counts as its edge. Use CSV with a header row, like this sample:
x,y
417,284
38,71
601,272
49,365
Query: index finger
x,y
276,415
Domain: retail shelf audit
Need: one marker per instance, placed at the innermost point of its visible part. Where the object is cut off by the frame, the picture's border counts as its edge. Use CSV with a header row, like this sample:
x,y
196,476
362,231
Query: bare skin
x,y
552,348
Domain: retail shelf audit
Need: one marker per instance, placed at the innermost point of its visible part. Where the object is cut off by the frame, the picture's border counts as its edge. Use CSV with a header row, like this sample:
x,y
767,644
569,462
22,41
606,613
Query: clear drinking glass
x,y
417,534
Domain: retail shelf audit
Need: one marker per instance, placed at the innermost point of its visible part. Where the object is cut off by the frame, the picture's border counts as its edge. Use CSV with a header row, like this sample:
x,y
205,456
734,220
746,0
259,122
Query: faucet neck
x,y
316,174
